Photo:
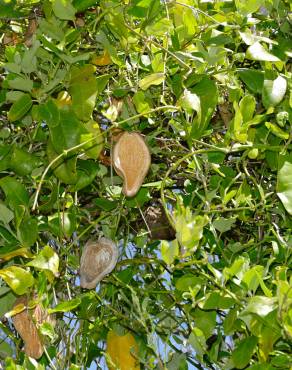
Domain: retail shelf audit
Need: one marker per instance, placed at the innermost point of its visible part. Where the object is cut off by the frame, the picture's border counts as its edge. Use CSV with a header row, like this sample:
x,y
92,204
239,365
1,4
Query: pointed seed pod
x,y
24,323
98,259
131,159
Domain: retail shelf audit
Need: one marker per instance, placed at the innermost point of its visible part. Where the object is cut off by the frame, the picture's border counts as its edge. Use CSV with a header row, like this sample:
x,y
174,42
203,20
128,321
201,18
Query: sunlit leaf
x,y
19,279
258,52
47,259
153,79
284,182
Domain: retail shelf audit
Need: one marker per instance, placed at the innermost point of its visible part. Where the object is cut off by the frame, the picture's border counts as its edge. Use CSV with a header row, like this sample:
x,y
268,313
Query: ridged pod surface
x,y
24,323
131,159
98,259
122,352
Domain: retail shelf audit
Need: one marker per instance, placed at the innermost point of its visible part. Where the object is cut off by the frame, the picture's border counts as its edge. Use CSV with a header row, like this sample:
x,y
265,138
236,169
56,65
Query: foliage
x,y
208,83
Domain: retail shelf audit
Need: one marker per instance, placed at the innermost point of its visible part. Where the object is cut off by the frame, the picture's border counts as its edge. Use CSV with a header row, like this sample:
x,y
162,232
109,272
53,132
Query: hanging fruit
x,y
25,324
131,159
98,259
122,351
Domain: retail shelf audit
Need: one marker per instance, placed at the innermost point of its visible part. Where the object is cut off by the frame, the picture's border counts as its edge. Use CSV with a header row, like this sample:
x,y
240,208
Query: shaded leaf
x,y
64,9
20,107
243,352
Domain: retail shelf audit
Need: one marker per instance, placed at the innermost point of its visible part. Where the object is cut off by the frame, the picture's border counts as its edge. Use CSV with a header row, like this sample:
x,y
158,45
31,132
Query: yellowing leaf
x,y
102,60
122,351
23,252
17,278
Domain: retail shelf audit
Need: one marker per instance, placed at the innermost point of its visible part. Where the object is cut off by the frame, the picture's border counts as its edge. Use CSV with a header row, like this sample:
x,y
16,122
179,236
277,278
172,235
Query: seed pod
x,y
131,159
157,221
98,259
25,324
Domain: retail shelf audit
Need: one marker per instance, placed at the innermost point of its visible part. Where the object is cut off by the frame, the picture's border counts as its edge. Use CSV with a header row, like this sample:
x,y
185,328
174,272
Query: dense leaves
x,y
203,278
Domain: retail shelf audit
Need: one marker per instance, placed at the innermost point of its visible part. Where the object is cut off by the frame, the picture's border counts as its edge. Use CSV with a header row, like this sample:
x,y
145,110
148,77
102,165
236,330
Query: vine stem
x,y
55,160
149,112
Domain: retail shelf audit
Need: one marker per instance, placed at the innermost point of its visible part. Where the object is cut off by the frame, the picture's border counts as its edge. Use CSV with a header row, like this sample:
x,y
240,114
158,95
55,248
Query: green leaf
x,y
20,107
139,199
243,352
253,278
64,9
216,300
81,5
62,224
253,79
224,224
7,301
106,204
190,102
95,146
189,227
198,341
284,181
64,169
153,79
258,52
169,251
248,6
6,215
83,89
205,320
65,306
141,103
274,91
238,268
16,194
247,107
17,278
188,281
86,173
206,91
5,349
4,157
47,259
21,83
27,231
101,82
29,61
65,128
8,9
23,162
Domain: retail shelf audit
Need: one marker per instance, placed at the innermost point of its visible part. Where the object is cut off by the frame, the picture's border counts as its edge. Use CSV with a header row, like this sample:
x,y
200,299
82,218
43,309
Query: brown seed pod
x,y
98,259
25,324
159,226
131,159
